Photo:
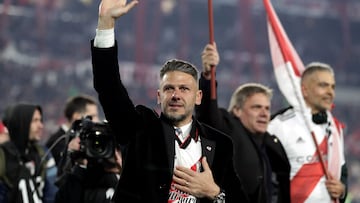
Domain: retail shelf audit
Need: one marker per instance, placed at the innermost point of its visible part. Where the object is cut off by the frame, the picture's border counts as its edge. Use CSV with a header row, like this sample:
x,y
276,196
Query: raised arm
x,y
110,10
209,58
112,94
208,111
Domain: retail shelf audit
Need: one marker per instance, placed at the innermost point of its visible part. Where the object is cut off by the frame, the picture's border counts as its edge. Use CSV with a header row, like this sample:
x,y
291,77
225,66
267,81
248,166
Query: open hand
x,y
198,184
110,10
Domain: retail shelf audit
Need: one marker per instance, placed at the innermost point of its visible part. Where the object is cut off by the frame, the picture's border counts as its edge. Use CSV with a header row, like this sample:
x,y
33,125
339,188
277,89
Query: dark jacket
x,y
149,164
91,185
257,159
20,151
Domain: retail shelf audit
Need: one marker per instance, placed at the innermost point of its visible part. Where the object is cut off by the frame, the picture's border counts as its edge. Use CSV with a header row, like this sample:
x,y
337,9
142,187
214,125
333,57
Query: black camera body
x,y
97,141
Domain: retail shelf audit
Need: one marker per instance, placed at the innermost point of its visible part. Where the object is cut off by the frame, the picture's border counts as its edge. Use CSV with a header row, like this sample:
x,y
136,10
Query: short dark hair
x,y
77,104
315,67
179,65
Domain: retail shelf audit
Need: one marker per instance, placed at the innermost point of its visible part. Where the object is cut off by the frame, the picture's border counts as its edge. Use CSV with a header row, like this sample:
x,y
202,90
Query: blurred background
x,y
45,51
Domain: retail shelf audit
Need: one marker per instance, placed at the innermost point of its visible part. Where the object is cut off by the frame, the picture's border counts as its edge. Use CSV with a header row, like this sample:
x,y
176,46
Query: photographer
x,y
95,165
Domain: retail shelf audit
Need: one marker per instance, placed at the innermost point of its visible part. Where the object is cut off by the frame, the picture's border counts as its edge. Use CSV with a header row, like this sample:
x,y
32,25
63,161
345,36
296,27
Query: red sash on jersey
x,y
304,182
335,160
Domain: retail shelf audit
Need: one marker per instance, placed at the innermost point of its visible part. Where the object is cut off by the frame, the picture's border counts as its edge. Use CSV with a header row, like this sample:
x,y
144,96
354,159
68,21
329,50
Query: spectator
x,y
28,174
266,175
310,182
92,178
76,107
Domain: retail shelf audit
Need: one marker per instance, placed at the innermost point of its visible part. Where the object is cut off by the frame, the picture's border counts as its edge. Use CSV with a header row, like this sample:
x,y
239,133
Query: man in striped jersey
x,y
318,177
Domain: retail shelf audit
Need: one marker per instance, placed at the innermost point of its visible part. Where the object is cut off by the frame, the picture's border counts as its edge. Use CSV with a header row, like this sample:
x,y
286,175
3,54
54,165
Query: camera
x,y
96,139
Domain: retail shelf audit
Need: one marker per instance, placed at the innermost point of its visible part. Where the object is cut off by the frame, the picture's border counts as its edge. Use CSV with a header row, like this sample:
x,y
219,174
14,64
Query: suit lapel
x,y
208,149
273,143
207,145
168,130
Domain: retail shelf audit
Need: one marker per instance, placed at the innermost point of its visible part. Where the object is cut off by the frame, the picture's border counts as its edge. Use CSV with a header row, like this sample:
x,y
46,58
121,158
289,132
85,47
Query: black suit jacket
x,y
150,140
251,161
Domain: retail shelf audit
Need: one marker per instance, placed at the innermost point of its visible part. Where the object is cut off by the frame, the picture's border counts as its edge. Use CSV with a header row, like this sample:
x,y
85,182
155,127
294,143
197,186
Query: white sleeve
x,y
104,38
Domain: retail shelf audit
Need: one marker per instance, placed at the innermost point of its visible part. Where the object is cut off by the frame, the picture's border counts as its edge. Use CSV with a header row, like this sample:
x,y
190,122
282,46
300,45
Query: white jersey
x,y
190,157
307,175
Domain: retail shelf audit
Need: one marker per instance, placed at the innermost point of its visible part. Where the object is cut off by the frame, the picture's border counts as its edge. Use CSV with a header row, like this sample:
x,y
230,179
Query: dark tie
x,y
178,133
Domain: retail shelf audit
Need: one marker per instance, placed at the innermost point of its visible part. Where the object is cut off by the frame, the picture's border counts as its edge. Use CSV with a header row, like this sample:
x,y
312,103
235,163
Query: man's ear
x,y
303,90
198,97
237,111
158,97
76,116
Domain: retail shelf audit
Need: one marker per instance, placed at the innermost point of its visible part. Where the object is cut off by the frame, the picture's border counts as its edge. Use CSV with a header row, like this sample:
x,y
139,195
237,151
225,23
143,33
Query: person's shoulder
x,y
10,148
224,111
229,117
146,110
60,131
211,132
54,136
283,114
272,138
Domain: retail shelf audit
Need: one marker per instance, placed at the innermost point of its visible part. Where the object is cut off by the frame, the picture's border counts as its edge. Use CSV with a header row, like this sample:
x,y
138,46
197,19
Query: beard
x,y
175,118
322,107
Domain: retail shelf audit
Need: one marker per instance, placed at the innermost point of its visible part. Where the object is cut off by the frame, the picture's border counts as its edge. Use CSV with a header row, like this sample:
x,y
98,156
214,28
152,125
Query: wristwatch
x,y
220,198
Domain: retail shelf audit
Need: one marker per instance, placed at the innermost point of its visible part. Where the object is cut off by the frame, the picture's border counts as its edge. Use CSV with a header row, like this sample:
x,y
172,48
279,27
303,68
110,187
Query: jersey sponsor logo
x,y
310,159
300,140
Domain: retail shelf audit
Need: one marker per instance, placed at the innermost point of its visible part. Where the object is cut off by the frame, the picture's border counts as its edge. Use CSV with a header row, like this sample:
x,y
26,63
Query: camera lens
x,y
97,140
98,145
